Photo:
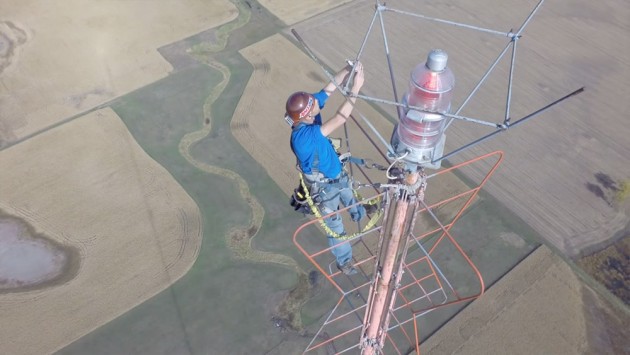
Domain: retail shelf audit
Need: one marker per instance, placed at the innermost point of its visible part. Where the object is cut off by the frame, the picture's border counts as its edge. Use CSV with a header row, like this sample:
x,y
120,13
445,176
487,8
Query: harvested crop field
x,y
92,190
77,55
290,11
542,290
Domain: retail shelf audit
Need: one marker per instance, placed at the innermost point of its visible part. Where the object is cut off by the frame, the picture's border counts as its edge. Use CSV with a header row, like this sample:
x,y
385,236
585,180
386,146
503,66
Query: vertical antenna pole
x,y
375,325
365,38
506,120
389,61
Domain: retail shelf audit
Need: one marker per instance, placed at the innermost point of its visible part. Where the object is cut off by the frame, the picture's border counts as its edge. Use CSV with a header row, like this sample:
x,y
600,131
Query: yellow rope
x,y
371,223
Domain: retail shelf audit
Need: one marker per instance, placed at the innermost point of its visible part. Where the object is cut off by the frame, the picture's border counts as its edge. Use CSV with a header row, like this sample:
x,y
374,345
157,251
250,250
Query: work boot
x,y
347,268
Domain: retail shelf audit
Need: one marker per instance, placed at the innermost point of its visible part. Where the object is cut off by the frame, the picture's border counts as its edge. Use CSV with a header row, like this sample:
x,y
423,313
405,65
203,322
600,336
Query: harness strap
x,y
320,179
371,223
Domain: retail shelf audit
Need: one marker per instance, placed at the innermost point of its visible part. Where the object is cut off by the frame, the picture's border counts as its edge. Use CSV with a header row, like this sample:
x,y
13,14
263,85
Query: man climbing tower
x,y
318,160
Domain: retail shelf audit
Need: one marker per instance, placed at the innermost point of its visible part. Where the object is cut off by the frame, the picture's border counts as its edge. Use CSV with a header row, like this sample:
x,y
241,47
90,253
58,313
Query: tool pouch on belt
x,y
299,200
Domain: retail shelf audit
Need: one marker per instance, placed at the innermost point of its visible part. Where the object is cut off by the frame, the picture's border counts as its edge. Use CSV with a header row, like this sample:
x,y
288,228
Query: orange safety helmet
x,y
299,105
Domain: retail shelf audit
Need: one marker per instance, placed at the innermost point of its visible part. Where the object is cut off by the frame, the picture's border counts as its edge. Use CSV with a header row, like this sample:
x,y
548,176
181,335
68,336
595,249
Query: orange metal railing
x,y
424,284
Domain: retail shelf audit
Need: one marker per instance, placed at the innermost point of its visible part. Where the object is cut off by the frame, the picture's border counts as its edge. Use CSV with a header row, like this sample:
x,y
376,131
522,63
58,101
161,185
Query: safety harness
x,y
306,198
314,209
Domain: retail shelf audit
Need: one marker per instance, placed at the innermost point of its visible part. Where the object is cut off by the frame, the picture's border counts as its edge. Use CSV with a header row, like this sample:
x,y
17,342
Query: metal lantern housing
x,y
419,135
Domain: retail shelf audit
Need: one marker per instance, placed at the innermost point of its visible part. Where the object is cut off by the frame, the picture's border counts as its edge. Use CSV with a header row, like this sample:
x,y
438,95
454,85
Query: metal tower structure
x,y
404,260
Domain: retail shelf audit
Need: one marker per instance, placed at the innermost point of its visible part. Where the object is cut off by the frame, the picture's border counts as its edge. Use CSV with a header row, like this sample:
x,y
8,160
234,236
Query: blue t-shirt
x,y
321,97
312,149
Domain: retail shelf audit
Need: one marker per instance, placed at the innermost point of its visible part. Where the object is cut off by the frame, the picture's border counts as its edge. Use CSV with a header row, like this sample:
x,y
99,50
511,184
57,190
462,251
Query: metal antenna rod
x,y
389,61
417,108
529,17
390,149
512,42
456,24
481,81
501,129
506,119
315,59
365,38
347,85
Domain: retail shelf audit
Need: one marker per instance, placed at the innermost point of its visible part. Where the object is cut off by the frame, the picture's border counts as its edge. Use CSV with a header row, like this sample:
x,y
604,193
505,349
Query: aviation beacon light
x,y
419,136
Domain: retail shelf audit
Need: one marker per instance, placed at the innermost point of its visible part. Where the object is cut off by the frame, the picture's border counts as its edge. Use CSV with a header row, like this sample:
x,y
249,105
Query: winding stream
x,y
239,239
